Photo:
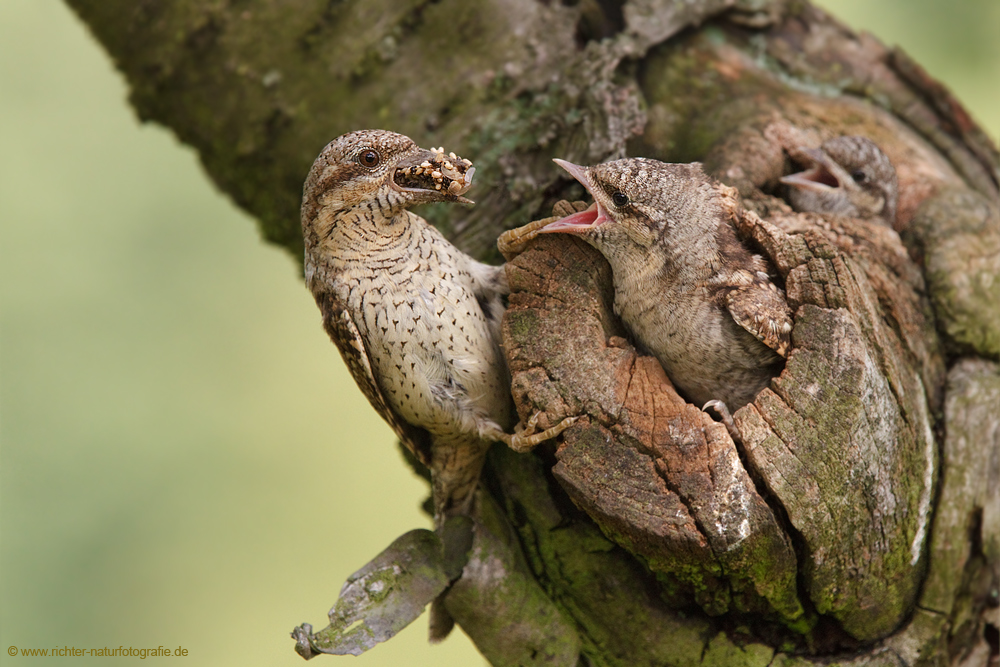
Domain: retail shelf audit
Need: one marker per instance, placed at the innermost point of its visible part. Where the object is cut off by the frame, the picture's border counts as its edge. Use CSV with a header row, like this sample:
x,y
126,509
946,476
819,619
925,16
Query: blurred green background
x,y
184,460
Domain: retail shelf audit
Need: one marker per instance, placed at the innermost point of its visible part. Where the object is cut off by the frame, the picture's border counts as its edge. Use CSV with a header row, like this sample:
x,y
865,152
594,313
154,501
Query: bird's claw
x,y
526,439
511,243
722,410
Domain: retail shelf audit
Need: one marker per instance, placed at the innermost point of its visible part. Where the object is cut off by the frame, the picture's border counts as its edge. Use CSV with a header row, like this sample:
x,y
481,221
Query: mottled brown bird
x,y
415,319
687,288
847,175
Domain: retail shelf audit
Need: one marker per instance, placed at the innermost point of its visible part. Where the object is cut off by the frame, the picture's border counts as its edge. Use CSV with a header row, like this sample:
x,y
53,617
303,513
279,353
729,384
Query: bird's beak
x,y
434,176
582,221
824,175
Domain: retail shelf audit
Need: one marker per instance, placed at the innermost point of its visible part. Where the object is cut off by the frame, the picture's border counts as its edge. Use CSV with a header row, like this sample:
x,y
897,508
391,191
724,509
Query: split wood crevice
x,y
825,511
818,530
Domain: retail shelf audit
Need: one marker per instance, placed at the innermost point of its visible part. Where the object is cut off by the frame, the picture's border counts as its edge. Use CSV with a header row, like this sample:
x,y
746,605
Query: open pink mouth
x,y
819,177
816,176
582,220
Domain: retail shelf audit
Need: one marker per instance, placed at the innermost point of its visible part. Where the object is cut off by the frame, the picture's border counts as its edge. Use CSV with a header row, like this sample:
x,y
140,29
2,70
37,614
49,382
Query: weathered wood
x,y
497,583
844,439
381,598
657,474
622,616
964,574
956,233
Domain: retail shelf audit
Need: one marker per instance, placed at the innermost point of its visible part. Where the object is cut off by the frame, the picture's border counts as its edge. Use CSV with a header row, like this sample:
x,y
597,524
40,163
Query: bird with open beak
x,y
685,286
415,319
847,175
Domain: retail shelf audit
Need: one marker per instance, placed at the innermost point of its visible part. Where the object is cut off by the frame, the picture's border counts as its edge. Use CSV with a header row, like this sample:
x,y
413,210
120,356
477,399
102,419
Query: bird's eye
x,y
859,176
619,198
369,158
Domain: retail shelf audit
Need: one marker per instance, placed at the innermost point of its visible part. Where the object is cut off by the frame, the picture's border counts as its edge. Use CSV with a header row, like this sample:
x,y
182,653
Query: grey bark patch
x,y
965,542
844,438
383,597
957,233
498,584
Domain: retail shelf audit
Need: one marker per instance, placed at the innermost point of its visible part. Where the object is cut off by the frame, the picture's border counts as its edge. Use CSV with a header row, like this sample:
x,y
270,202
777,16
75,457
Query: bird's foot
x,y
525,439
725,417
511,243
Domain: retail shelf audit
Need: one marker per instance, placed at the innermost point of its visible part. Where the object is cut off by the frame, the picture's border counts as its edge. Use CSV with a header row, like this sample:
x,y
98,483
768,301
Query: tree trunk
x,y
858,523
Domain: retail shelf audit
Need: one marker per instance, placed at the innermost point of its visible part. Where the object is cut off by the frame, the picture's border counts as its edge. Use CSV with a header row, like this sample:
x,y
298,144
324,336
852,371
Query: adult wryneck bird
x,y
415,319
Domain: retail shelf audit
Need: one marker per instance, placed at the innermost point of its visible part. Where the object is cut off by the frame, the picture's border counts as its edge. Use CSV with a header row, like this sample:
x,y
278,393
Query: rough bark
x,y
858,523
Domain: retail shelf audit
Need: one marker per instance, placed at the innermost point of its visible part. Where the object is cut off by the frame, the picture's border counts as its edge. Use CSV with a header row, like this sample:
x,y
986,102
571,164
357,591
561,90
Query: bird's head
x,y
639,202
847,175
384,170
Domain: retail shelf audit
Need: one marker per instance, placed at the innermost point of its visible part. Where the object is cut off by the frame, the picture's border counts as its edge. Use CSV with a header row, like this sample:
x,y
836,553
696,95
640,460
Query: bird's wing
x,y
759,306
340,326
